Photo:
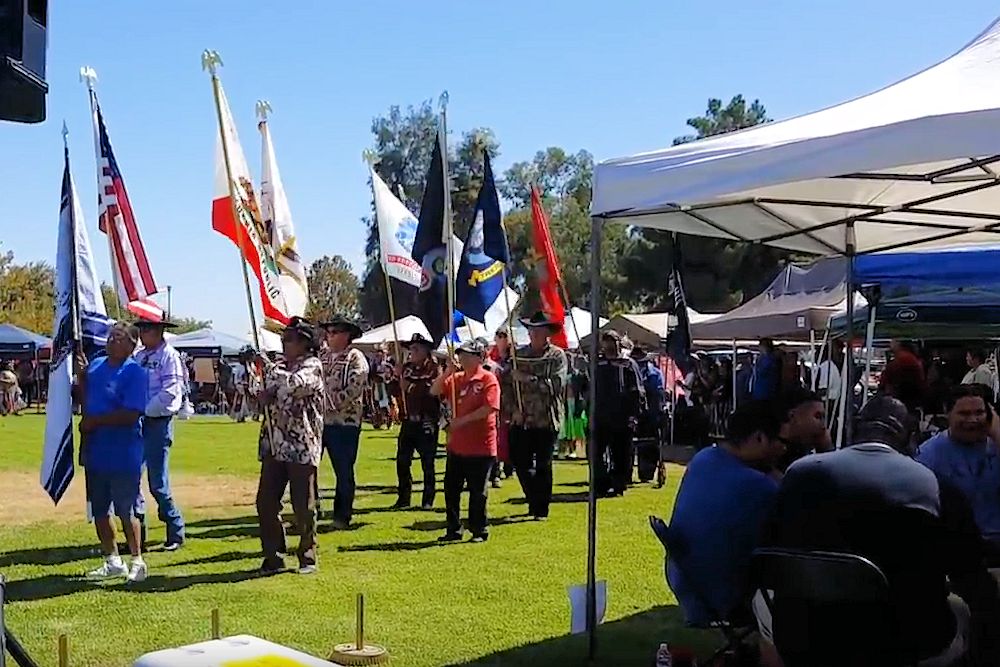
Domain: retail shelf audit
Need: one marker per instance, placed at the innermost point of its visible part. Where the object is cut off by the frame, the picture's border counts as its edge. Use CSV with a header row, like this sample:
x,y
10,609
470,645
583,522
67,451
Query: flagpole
x,y
392,310
211,61
89,76
74,293
448,229
511,342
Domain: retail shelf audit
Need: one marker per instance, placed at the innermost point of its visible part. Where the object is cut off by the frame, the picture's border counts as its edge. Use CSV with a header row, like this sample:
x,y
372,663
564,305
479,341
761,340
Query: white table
x,y
238,651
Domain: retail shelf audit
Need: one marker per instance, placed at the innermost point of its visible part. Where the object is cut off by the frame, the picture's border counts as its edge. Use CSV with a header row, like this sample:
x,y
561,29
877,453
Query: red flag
x,y
547,268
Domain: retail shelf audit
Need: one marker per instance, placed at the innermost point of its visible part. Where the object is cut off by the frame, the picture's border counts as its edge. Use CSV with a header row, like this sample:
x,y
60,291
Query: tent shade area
x,y
912,164
647,329
18,342
209,343
800,299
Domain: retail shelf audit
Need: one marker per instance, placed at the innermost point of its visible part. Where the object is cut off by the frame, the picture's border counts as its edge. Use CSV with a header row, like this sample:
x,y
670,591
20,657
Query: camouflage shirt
x,y
345,375
541,395
292,430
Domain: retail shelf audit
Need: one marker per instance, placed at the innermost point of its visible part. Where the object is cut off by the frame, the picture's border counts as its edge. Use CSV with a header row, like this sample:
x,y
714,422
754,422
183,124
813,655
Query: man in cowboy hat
x,y
472,438
419,432
345,373
538,370
621,398
165,371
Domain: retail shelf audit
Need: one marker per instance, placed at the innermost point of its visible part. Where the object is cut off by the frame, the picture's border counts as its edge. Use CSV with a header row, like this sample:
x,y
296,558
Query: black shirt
x,y
872,501
620,392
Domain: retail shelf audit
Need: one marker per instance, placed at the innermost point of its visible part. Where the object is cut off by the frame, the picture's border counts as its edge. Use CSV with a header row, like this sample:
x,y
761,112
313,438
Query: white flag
x,y
79,317
397,228
247,229
277,218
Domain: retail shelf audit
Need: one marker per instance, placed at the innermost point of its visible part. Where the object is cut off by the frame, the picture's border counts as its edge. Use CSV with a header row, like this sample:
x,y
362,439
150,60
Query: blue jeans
x,y
341,443
157,436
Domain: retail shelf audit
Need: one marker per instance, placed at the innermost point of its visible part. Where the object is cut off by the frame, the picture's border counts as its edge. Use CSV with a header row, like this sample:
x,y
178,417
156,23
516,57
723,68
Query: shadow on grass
x,y
579,497
442,525
395,546
328,527
48,556
231,521
54,586
627,642
227,557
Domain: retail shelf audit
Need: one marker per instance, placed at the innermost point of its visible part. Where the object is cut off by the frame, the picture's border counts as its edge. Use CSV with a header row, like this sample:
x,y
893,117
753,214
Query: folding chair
x,y
828,609
732,630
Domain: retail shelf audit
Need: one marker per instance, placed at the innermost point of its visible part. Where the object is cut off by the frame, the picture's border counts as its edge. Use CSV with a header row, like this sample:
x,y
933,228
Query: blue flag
x,y
430,252
80,323
480,278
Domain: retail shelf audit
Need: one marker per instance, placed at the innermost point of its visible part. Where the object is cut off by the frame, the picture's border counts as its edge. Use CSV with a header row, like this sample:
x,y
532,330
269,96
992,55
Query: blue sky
x,y
611,77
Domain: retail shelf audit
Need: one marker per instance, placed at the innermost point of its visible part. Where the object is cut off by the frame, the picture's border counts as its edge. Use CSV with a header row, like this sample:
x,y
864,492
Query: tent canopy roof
x,y
209,342
914,163
15,339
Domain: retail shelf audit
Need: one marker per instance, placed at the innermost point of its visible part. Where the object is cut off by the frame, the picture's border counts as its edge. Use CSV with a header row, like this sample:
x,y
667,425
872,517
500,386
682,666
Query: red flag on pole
x,y
547,268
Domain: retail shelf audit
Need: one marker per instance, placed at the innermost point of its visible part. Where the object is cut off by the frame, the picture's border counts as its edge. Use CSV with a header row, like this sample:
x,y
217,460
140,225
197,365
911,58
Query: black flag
x,y
430,250
679,340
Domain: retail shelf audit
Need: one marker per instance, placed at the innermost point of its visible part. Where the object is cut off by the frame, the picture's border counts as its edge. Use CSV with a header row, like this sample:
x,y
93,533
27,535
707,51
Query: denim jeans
x,y
157,437
341,443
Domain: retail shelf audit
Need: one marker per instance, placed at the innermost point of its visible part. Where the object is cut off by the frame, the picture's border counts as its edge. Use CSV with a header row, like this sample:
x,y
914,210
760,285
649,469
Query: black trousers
x,y
473,471
419,437
614,458
531,453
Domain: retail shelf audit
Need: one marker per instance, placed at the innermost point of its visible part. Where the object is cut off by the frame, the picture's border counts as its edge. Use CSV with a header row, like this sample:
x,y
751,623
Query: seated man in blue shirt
x,y
967,457
112,391
721,506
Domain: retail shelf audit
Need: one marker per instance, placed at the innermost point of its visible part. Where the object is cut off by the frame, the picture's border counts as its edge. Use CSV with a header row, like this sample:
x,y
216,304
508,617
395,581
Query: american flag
x,y
133,274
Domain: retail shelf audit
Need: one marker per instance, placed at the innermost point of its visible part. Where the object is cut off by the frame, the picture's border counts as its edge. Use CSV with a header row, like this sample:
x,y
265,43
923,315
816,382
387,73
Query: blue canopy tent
x,y
209,343
18,343
952,294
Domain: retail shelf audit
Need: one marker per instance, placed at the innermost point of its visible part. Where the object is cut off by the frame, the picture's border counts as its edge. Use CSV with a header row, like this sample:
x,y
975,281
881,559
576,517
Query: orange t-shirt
x,y
477,438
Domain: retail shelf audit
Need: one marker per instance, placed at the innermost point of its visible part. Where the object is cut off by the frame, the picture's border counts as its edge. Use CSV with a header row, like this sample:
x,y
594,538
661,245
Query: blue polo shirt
x,y
975,470
115,449
720,510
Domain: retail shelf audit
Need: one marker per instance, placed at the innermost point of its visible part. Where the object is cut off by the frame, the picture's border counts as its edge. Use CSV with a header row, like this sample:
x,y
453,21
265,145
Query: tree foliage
x,y
27,294
333,289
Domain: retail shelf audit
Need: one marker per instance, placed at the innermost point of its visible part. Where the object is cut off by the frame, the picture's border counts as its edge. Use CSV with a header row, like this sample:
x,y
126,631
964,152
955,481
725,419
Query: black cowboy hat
x,y
417,339
639,353
341,323
305,329
540,319
150,324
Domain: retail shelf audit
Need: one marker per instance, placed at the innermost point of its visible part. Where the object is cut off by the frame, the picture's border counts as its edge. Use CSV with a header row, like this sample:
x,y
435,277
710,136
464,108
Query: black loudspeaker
x,y
22,60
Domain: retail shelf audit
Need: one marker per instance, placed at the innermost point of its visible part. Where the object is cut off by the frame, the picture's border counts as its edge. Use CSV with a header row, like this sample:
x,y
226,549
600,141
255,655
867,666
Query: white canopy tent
x,y
913,164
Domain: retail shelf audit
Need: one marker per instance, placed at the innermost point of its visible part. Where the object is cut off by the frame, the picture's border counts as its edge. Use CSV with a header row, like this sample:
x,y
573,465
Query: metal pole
x,y
448,229
511,343
732,372
869,351
170,290
595,325
851,247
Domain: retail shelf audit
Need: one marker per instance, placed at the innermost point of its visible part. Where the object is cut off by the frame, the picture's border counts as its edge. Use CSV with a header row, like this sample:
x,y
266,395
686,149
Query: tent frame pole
x,y
595,327
850,243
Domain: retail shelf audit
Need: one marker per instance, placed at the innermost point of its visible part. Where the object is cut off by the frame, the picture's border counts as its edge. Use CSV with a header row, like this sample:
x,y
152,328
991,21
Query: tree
x,y
404,143
27,294
565,182
718,275
333,289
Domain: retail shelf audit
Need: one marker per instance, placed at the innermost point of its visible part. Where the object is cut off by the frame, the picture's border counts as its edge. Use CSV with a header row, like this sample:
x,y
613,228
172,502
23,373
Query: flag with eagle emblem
x,y
240,221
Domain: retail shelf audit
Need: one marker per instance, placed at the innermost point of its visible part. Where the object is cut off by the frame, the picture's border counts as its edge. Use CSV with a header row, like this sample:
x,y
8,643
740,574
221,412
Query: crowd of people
x,y
927,517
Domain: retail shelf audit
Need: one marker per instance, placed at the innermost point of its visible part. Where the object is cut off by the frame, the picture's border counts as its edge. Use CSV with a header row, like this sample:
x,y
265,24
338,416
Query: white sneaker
x,y
112,567
138,571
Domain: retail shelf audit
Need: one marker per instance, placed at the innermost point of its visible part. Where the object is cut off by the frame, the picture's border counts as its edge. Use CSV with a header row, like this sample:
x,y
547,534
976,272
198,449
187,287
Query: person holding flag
x,y
419,431
535,421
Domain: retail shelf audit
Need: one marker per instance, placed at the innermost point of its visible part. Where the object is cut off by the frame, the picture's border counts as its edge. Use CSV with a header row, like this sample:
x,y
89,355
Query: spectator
x,y
621,399
967,456
872,500
979,371
766,377
803,425
720,508
828,374
904,376
744,375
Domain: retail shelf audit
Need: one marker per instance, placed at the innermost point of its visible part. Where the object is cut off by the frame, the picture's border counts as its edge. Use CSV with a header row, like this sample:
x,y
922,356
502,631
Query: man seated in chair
x,y
872,500
720,509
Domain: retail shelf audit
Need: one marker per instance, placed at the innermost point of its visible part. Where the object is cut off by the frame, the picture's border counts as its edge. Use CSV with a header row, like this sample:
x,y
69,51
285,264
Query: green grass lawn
x,y
499,603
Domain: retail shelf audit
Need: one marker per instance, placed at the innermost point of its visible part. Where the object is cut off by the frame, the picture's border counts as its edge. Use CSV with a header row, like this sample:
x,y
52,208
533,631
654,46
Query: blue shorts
x,y
120,489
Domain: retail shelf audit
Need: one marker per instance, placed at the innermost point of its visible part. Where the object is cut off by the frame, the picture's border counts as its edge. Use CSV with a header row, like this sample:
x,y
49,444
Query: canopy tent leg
x,y
847,424
595,327
869,352
732,374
